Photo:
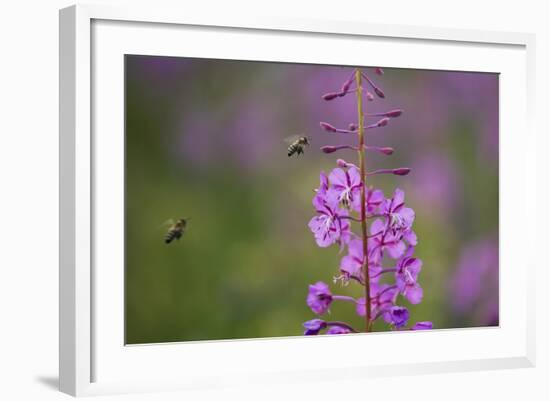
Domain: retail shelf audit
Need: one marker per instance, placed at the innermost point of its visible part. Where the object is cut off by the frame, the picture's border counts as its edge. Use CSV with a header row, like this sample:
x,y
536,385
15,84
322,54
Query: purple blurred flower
x,y
474,285
319,298
435,181
250,117
198,150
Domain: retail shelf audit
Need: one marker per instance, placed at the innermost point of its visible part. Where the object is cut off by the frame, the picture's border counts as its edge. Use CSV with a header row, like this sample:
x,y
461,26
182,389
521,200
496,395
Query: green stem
x,y
360,153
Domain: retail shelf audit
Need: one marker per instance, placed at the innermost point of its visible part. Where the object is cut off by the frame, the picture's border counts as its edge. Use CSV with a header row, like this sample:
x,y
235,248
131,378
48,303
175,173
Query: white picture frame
x,y
93,358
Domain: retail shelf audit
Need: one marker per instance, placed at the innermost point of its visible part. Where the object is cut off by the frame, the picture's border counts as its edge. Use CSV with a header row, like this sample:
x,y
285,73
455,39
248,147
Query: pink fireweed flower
x,y
323,184
384,240
346,187
406,277
330,225
351,265
319,298
399,316
314,326
390,241
373,199
399,217
383,298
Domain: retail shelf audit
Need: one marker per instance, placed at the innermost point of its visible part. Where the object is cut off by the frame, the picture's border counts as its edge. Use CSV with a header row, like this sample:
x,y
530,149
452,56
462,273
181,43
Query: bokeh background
x,y
205,140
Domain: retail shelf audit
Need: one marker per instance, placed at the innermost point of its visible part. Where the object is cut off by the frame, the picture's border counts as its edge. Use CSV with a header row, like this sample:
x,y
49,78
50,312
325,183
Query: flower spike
x,y
344,200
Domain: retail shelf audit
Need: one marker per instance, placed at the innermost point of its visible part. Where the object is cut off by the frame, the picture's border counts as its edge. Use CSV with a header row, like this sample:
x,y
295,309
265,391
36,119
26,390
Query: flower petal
x,y
414,294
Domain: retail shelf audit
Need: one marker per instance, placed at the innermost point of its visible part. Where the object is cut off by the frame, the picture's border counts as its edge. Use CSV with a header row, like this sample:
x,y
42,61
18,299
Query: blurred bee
x,y
297,144
176,230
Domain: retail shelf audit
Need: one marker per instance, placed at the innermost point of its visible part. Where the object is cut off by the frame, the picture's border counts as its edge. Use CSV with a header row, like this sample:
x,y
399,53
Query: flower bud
x,y
327,127
370,97
379,71
379,92
329,149
386,151
330,96
341,163
352,127
394,113
422,326
383,122
346,85
401,171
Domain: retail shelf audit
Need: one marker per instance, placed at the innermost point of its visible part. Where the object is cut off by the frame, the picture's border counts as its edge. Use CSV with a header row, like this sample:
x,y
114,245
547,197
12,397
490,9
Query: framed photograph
x,y
269,200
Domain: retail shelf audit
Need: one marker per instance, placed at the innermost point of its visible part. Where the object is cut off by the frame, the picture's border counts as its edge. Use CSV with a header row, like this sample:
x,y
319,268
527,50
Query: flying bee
x,y
176,230
297,144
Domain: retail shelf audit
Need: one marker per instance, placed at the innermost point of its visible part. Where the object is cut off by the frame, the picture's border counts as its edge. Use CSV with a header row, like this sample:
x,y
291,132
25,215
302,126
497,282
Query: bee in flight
x,y
297,144
176,230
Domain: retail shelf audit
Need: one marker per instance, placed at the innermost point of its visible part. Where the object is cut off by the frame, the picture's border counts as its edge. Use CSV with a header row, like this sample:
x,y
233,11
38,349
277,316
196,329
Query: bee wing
x,y
292,139
169,222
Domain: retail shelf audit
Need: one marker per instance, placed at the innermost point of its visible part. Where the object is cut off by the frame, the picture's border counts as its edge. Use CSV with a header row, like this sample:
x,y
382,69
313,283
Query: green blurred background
x,y
205,140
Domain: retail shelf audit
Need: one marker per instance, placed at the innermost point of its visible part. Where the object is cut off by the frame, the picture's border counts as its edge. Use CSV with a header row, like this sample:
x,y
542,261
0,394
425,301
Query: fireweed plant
x,y
380,256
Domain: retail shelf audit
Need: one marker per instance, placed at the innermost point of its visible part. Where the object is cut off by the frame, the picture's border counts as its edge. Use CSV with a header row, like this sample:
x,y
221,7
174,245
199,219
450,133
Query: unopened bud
x,y
330,96
327,127
346,85
341,163
379,92
402,171
383,122
386,151
379,71
329,149
370,97
352,127
394,113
